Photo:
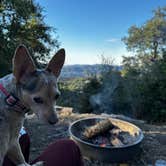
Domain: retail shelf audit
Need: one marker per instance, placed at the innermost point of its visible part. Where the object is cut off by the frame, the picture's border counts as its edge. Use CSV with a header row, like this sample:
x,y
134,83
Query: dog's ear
x,y
22,63
56,63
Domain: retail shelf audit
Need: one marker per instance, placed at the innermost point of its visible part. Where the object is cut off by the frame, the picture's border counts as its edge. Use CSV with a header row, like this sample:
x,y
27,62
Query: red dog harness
x,y
13,101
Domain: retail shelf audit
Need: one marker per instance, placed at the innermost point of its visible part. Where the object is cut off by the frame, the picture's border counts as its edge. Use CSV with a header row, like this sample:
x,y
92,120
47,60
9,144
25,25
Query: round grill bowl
x,y
106,154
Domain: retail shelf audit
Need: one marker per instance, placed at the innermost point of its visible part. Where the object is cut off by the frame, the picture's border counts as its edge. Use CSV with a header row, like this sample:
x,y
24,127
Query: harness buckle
x,y
11,100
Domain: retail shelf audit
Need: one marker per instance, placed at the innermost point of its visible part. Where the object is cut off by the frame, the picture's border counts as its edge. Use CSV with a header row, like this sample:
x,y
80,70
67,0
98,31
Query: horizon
x,y
89,29
91,64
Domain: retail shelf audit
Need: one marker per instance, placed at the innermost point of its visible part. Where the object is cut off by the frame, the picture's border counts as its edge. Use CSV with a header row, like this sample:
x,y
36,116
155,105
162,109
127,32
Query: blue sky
x,y
90,28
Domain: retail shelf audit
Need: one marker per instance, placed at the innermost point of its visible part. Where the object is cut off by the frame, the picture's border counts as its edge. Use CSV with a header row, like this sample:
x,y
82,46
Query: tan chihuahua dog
x,y
27,88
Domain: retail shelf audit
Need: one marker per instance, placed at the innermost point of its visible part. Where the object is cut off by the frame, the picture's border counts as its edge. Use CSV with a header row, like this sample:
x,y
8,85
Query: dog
x,y
26,88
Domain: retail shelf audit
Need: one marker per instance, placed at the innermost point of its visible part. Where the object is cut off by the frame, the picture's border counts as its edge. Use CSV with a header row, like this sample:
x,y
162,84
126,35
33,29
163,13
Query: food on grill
x,y
116,142
105,133
98,128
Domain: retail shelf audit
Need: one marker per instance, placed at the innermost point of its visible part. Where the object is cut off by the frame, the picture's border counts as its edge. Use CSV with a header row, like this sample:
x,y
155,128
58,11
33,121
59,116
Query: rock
x,y
64,112
123,117
160,162
161,138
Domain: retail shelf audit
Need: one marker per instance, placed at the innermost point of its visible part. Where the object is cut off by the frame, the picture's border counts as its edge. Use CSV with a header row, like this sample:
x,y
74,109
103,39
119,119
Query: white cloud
x,y
113,40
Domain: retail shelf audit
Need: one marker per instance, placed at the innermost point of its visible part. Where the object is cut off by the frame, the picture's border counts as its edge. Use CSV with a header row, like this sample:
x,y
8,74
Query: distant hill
x,y
73,71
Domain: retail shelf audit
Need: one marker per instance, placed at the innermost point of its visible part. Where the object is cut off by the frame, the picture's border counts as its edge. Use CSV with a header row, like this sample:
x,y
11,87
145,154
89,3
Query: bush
x,y
70,93
148,90
91,86
76,92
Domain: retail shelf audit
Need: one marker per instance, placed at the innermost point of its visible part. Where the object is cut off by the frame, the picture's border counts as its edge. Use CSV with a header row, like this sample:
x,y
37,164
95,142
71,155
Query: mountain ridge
x,y
85,70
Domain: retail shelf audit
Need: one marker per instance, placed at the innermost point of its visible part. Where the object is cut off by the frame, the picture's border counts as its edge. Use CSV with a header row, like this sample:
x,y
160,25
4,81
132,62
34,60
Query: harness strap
x,y
13,101
4,90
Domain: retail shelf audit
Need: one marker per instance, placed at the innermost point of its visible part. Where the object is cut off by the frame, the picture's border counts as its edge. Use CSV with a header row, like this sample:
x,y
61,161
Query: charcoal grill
x,y
106,154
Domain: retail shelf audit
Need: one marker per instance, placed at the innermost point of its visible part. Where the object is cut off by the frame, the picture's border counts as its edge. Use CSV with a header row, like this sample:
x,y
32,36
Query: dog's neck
x,y
9,84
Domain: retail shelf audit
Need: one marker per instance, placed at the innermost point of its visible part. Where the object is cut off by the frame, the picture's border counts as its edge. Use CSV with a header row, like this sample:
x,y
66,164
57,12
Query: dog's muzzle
x,y
53,119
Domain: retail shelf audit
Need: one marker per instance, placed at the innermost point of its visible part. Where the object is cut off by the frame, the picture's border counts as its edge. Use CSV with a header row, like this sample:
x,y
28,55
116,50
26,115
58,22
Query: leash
x,y
13,101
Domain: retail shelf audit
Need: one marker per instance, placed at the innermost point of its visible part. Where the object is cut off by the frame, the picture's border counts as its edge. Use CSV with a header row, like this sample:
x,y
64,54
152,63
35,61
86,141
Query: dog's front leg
x,y
16,156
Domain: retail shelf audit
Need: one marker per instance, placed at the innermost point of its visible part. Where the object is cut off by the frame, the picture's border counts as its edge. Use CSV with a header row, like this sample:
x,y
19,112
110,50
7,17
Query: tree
x,y
21,21
144,74
150,38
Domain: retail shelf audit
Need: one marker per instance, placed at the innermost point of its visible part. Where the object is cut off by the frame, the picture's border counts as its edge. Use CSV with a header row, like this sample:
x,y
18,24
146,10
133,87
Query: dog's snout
x,y
53,119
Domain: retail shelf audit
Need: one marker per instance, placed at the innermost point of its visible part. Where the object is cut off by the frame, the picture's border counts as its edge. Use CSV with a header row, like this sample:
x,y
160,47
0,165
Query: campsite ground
x,y
153,146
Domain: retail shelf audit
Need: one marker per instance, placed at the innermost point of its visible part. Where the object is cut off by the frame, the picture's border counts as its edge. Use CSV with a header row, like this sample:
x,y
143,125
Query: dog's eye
x,y
57,96
38,100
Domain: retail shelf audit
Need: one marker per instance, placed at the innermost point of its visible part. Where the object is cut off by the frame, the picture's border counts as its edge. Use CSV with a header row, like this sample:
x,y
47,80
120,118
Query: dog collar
x,y
12,101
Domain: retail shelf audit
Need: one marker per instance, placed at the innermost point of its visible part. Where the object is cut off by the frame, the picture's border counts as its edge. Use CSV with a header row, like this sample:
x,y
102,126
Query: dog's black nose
x,y
53,120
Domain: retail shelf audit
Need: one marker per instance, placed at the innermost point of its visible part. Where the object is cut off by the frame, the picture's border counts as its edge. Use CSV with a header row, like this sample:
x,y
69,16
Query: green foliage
x,y
76,92
71,91
150,38
145,73
147,87
91,87
22,22
76,84
120,101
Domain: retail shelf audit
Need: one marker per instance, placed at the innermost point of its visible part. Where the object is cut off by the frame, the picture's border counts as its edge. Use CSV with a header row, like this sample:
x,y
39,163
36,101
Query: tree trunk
x,y
155,44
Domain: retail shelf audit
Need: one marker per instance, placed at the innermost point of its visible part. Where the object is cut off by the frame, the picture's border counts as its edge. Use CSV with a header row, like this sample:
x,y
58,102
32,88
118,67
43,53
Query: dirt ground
x,y
153,146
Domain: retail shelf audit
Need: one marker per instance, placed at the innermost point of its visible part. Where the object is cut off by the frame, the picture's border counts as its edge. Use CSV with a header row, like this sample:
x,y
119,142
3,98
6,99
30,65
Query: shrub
x,y
148,90
91,86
